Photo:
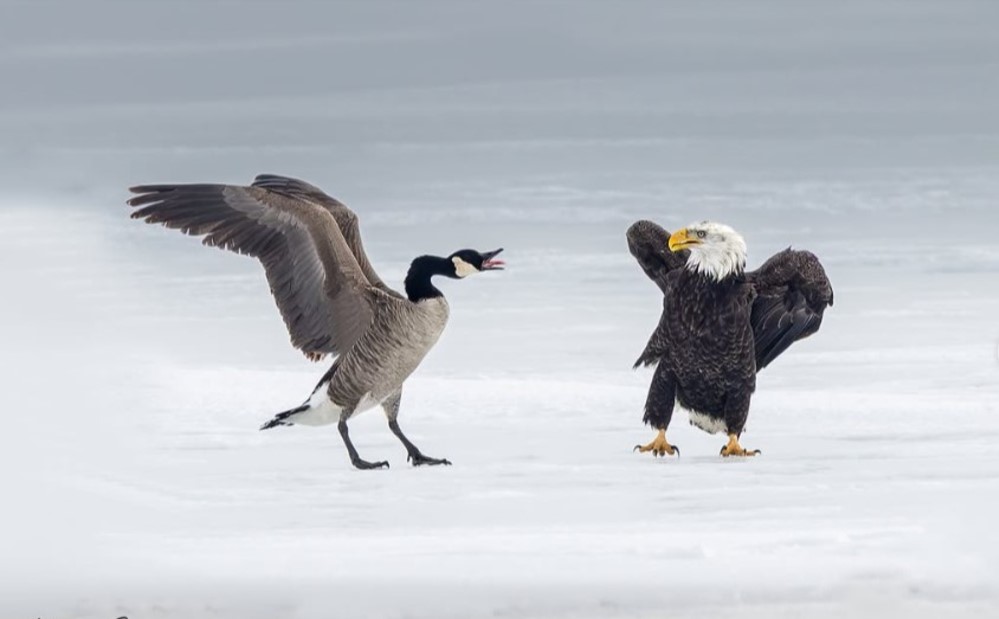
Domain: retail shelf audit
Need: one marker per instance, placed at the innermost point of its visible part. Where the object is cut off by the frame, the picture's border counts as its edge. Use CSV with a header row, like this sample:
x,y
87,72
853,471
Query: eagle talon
x,y
733,448
659,446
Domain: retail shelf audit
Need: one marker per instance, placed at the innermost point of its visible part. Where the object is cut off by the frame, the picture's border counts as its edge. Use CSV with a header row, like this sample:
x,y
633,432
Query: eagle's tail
x,y
644,361
649,356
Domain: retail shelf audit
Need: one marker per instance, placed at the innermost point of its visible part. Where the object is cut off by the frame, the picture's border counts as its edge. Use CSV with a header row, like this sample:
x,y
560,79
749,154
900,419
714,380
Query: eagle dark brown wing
x,y
649,244
320,289
792,292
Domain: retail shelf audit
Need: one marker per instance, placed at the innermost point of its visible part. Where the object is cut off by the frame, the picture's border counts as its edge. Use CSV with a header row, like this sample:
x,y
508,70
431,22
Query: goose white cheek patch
x,y
462,268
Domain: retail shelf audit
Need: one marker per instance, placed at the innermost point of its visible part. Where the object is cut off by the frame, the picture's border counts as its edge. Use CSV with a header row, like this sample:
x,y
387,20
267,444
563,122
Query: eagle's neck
x,y
719,261
707,281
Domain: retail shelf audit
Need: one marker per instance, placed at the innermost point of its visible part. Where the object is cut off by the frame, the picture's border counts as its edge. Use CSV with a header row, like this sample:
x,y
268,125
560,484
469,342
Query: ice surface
x,y
138,365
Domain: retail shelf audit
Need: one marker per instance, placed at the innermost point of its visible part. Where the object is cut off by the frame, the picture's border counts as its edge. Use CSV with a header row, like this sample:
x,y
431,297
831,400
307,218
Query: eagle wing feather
x,y
792,293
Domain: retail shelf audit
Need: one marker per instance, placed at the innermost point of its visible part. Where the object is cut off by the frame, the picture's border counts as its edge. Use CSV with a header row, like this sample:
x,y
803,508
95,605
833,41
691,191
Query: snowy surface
x,y
138,365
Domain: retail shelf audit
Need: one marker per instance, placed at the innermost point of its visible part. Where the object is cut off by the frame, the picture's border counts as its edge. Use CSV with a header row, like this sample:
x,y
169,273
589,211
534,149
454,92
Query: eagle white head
x,y
716,250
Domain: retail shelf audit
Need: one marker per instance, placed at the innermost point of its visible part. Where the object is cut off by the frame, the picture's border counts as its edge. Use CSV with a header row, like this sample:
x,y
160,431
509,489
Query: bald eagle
x,y
720,324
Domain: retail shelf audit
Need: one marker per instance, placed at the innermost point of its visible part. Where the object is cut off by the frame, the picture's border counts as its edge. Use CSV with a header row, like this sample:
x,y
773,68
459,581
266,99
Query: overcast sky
x,y
97,94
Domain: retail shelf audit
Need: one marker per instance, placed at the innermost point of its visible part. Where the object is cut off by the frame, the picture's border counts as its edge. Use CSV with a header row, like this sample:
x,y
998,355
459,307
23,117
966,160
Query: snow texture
x,y
137,365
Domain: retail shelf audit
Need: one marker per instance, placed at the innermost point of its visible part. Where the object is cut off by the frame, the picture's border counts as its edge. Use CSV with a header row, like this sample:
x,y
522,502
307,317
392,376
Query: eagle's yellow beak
x,y
681,240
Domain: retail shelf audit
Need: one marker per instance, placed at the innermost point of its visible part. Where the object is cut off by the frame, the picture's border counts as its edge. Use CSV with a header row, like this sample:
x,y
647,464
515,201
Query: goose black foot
x,y
419,459
364,465
414,454
355,459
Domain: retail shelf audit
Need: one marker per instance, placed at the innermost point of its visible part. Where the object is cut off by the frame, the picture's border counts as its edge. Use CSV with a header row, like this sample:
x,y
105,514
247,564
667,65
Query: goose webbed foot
x,y
364,465
418,459
659,446
413,452
355,459
733,448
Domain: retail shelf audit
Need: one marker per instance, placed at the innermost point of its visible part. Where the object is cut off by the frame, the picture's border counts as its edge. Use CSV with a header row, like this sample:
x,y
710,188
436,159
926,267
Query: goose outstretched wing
x,y
345,218
321,290
792,292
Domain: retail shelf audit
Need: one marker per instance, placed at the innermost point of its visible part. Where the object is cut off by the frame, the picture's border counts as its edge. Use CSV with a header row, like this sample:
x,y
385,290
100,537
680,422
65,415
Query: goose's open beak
x,y
490,262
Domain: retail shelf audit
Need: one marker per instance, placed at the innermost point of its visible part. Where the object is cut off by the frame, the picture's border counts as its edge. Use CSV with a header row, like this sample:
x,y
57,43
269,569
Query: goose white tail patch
x,y
323,411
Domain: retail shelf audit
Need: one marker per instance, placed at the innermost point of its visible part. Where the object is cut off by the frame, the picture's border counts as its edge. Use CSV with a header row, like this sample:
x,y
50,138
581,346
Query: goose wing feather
x,y
321,290
345,218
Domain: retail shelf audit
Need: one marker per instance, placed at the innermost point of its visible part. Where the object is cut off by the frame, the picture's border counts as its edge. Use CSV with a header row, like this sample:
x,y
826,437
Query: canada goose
x,y
329,295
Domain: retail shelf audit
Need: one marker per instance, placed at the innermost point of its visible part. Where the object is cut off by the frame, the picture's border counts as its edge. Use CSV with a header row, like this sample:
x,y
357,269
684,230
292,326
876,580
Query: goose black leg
x,y
415,456
354,458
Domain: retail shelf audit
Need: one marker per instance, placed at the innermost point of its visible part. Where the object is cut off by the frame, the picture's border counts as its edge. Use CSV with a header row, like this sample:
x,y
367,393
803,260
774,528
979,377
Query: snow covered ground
x,y
138,365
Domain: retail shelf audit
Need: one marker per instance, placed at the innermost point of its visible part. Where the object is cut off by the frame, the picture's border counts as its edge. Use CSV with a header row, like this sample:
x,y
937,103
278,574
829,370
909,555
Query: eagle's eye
x,y
701,234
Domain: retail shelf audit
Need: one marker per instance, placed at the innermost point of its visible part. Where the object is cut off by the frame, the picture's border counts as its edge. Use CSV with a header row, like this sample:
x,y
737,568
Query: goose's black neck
x,y
418,284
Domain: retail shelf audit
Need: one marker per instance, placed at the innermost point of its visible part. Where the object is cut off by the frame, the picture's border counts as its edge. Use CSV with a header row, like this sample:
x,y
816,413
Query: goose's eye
x,y
701,234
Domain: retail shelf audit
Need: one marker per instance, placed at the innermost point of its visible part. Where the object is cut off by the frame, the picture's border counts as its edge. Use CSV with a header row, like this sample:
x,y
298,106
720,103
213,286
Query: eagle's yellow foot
x,y
659,446
735,449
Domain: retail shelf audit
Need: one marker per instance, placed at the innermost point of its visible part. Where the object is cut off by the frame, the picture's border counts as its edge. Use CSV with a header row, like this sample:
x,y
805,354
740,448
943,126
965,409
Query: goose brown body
x,y
328,293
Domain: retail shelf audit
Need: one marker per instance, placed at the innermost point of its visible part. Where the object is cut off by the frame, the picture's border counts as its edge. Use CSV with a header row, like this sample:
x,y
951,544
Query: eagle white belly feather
x,y
711,425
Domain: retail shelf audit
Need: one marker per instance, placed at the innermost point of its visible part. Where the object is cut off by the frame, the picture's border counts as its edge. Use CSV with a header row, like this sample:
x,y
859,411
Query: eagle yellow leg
x,y
659,446
733,448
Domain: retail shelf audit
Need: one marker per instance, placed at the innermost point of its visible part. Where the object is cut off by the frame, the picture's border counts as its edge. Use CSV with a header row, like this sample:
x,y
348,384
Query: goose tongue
x,y
490,262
